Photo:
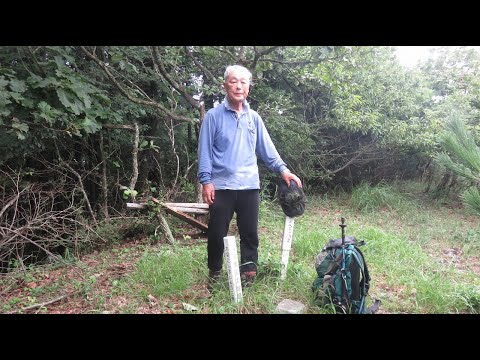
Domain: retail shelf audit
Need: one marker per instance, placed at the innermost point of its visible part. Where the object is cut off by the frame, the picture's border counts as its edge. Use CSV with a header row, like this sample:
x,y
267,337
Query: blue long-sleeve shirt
x,y
228,146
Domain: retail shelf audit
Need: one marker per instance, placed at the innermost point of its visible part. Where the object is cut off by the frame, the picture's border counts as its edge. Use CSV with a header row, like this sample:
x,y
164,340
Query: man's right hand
x,y
208,193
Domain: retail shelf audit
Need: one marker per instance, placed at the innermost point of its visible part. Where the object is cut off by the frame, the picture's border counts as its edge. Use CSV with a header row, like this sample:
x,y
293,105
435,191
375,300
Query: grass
x,y
170,270
423,258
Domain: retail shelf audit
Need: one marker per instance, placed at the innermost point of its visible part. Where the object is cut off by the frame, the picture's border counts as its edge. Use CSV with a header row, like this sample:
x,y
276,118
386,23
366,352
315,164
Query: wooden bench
x,y
180,211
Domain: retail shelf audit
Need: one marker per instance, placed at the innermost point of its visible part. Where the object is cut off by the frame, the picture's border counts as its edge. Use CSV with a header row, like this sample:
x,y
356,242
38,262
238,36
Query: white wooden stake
x,y
286,244
233,270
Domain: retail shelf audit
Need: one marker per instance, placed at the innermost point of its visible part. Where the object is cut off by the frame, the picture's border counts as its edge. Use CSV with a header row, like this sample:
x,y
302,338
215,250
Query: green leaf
x,y
69,101
4,95
18,86
103,97
20,126
39,82
20,136
128,192
60,62
17,97
3,82
47,112
91,126
77,107
27,102
116,57
63,97
82,92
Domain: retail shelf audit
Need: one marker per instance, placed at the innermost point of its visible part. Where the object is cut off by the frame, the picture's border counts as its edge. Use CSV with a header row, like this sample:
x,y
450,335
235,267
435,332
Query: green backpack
x,y
343,278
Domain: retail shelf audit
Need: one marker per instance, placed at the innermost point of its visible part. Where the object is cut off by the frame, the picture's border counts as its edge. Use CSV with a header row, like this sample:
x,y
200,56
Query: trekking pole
x,y
342,225
343,270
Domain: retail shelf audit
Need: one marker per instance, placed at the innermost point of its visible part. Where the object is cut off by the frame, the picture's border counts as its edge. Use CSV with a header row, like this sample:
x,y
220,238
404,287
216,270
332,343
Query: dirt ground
x,y
65,291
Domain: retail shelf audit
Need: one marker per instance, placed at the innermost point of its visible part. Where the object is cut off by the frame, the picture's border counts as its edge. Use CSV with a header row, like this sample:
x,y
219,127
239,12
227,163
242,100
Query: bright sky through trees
x,y
410,55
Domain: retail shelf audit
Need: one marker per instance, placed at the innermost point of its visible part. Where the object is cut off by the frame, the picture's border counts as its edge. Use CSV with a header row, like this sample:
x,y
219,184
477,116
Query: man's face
x,y
237,86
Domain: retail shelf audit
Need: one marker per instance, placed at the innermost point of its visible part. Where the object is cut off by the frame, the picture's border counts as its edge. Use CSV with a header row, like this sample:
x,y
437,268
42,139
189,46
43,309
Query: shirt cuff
x,y
204,178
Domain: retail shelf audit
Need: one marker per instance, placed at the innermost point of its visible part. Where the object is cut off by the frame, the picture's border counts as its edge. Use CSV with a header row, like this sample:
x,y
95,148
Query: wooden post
x,y
233,269
165,229
286,244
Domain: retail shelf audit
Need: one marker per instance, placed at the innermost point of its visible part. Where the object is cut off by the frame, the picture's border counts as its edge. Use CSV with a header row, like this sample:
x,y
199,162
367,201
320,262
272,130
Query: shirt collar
x,y
246,106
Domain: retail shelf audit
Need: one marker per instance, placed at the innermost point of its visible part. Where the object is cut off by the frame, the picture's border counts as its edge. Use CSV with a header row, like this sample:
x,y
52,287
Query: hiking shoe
x,y
213,277
247,278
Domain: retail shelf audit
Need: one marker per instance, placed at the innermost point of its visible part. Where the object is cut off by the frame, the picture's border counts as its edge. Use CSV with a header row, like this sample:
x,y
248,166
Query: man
x,y
231,136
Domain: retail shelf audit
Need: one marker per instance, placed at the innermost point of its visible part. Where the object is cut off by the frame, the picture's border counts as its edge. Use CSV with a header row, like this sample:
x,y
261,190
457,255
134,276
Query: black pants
x,y
245,203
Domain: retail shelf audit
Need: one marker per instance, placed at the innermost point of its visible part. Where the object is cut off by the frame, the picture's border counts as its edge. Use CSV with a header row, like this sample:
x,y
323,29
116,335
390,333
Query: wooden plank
x,y
189,205
189,210
135,206
188,219
194,208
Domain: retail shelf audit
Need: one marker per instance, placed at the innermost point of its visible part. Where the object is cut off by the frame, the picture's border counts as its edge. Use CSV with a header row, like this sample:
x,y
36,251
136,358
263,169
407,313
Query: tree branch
x,y
159,68
225,51
207,72
132,98
261,53
43,304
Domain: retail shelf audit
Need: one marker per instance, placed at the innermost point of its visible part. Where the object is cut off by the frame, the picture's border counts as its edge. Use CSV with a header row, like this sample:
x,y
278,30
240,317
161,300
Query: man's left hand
x,y
287,176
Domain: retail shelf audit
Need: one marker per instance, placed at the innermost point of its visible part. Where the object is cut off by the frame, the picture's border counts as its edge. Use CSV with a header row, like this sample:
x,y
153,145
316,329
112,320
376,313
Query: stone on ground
x,y
288,306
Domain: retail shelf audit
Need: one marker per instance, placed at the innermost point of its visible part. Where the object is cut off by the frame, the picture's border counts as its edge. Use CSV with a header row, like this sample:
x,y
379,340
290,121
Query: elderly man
x,y
231,137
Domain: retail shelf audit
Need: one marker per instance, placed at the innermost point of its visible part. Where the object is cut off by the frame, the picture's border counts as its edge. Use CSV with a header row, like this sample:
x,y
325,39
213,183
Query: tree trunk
x,y
104,179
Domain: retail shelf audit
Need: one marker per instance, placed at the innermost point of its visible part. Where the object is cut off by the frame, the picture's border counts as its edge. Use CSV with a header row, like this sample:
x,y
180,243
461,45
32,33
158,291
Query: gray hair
x,y
240,69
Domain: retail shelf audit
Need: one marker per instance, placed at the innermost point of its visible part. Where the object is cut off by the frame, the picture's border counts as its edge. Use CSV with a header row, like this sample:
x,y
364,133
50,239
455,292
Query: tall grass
x,y
368,198
405,254
171,270
471,197
409,245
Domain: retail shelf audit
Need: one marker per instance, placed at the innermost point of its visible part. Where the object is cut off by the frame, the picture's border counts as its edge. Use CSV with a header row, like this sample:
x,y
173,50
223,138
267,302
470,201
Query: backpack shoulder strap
x,y
363,266
366,281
